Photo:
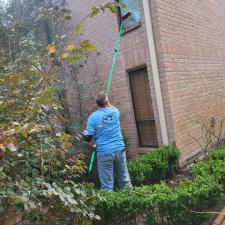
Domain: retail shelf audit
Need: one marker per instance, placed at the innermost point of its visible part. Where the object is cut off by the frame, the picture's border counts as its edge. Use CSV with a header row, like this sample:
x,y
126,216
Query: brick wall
x,y
191,51
190,46
133,53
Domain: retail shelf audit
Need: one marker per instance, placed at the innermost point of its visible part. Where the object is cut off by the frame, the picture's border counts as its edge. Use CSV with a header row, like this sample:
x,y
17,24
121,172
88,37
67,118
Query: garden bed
x,y
163,204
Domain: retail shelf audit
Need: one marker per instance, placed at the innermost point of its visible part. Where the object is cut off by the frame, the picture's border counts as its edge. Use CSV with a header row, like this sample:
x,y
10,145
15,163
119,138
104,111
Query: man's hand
x,y
90,146
83,135
109,104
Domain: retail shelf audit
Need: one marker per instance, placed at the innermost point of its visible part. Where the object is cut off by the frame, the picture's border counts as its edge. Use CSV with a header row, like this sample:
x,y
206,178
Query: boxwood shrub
x,y
154,166
218,154
215,166
158,204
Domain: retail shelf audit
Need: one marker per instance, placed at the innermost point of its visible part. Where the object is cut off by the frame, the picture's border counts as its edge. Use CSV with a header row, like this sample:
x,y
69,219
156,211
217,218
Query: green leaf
x,y
24,198
31,204
45,98
78,29
67,17
64,55
88,46
73,60
110,6
68,167
62,198
2,105
72,201
94,12
97,217
47,95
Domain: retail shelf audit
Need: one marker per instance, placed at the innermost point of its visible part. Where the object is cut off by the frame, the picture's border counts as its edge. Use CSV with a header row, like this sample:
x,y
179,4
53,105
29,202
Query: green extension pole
x,y
108,86
111,75
114,60
92,161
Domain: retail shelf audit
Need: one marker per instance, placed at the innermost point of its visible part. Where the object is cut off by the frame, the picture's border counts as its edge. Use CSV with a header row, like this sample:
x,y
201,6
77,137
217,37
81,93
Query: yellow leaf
x,y
65,55
52,49
70,47
88,46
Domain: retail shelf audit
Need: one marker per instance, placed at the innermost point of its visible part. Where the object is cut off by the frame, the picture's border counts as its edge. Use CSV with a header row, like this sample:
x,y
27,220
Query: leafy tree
x,y
39,180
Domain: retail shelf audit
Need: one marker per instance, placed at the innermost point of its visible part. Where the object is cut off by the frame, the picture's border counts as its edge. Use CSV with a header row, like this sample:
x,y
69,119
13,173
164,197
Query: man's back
x,y
104,125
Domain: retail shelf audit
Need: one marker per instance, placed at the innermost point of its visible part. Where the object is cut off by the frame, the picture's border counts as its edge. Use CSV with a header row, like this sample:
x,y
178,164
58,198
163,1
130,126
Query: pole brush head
x,y
126,15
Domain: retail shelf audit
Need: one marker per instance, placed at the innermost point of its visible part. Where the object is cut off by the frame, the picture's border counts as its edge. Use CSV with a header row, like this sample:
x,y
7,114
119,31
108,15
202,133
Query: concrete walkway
x,y
220,219
217,219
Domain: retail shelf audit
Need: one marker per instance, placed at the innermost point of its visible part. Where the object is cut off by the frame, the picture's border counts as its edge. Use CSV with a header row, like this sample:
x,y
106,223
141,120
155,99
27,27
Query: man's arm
x,y
89,134
88,140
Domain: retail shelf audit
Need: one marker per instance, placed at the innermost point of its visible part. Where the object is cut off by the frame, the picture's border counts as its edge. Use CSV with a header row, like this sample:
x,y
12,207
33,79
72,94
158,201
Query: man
x,y
104,126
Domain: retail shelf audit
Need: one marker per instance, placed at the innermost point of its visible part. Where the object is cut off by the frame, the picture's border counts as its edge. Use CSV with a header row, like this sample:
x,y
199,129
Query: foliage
x,y
218,154
126,140
160,205
154,166
215,166
37,178
39,181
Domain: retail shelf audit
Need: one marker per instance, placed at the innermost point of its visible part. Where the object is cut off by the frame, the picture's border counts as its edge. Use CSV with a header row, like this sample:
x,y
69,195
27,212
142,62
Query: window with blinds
x,y
142,104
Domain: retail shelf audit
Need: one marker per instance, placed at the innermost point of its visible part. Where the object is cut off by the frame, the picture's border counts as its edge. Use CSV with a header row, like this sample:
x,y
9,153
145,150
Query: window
x,y
142,104
132,6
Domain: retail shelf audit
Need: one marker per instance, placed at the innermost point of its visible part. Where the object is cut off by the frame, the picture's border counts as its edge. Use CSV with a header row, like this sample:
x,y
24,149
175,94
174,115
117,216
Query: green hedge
x,y
214,166
160,205
219,154
154,166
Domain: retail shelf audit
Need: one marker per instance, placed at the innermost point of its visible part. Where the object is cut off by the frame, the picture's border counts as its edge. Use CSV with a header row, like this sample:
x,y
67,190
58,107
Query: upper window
x,y
132,6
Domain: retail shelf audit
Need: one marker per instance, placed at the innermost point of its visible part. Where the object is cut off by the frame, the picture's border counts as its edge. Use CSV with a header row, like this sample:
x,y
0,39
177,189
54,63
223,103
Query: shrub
x,y
159,205
218,154
124,207
215,166
154,166
211,167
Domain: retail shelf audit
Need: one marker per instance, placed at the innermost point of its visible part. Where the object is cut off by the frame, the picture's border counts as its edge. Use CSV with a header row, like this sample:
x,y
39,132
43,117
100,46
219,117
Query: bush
x,y
218,154
215,166
154,166
159,205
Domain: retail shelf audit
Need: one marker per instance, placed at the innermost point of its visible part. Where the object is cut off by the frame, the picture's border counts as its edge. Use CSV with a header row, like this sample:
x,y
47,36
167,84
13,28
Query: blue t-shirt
x,y
104,125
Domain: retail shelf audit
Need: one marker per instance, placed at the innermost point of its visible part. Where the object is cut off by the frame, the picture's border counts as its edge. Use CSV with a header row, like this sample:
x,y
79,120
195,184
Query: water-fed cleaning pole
x,y
111,74
116,52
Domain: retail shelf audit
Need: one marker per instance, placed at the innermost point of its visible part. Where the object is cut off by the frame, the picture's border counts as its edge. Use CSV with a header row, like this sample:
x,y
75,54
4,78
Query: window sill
x,y
143,150
134,26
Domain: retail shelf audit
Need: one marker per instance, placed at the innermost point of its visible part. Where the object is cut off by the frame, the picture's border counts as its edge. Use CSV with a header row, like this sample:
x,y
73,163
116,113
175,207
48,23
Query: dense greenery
x,y
154,166
219,154
159,205
39,181
40,178
214,166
